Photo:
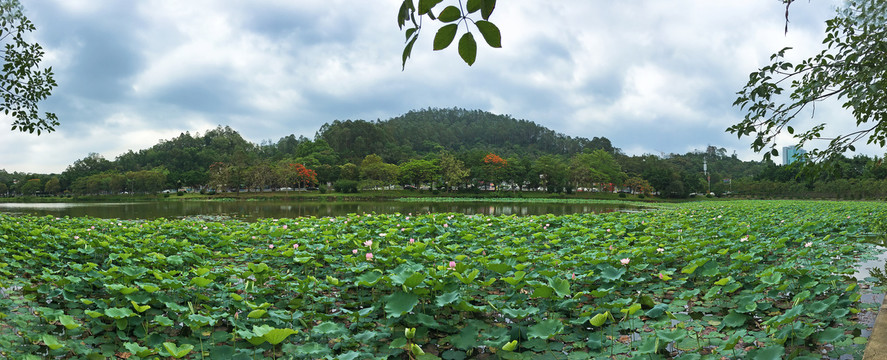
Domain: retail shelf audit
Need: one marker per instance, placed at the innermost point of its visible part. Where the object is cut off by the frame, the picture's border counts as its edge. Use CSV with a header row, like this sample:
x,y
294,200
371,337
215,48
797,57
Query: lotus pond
x,y
759,280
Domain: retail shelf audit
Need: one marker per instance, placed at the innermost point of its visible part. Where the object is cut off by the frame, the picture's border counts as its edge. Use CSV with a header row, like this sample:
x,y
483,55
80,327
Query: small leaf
x,y
473,5
426,5
407,50
490,33
450,14
487,10
444,36
468,48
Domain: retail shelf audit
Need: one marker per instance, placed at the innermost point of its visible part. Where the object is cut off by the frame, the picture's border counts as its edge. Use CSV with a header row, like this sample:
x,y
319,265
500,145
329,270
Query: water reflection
x,y
250,210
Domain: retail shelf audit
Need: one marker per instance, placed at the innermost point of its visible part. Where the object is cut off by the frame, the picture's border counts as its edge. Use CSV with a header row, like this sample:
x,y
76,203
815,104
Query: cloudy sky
x,y
653,76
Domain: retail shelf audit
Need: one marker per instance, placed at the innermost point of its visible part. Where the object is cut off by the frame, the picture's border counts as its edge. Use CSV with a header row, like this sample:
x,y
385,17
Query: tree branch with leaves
x,y
23,84
850,69
452,16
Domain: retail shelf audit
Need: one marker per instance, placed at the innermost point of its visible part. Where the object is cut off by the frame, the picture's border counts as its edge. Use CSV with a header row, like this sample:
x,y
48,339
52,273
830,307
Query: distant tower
x,y
791,154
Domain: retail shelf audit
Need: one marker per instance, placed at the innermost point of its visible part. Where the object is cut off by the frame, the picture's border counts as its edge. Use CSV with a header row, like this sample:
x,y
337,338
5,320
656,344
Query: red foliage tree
x,y
496,167
304,175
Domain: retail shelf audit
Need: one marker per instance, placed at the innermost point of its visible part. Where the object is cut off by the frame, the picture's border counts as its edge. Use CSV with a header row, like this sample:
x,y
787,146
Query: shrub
x,y
345,186
180,193
622,194
322,189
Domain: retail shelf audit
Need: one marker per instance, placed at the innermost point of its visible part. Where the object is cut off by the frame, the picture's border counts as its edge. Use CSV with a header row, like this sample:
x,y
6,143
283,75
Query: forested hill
x,y
428,131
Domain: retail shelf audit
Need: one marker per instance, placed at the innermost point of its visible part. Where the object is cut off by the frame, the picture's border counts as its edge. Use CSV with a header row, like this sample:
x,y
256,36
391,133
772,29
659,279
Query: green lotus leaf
x,y
545,329
276,336
163,320
775,352
138,350
830,335
140,308
328,327
671,336
520,314
68,322
599,319
447,298
561,286
178,351
734,319
201,281
400,303
255,314
52,342
612,274
369,278
118,313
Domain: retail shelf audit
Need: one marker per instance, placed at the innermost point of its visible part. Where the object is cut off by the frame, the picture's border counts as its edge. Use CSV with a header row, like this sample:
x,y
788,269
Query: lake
x,y
253,209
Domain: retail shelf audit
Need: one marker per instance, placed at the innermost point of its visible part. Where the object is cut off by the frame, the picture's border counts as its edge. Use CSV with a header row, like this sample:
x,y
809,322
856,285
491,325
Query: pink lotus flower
x,y
744,239
574,276
660,250
296,246
270,246
369,256
452,264
412,241
284,227
354,251
446,225
625,261
76,237
808,244
368,243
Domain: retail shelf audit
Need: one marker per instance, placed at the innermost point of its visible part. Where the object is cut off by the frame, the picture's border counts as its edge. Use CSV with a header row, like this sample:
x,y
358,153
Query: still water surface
x,y
249,210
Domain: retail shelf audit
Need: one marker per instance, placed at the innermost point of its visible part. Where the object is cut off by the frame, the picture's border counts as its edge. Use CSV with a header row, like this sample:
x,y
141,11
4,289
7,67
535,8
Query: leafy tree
x,y
417,172
219,176
24,84
851,69
452,171
262,176
638,185
376,172
30,187
3,189
349,171
553,172
452,16
52,186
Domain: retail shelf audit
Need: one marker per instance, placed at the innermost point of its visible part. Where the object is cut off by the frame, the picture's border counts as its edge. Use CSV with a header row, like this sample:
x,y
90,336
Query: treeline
x,y
443,149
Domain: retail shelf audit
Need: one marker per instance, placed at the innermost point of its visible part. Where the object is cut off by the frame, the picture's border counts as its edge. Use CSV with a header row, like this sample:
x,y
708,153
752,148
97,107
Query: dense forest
x,y
442,149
